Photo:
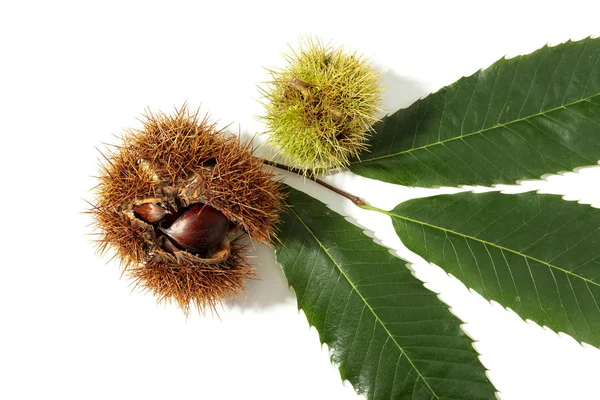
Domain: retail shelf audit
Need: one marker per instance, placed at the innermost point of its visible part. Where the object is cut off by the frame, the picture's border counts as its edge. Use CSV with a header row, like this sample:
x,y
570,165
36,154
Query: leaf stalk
x,y
354,199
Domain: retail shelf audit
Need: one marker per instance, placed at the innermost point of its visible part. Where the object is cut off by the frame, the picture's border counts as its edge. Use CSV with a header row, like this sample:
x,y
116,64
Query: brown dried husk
x,y
184,154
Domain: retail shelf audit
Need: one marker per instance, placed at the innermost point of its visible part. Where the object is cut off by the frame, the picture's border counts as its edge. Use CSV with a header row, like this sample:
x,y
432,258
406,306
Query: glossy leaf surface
x,y
536,254
519,119
390,336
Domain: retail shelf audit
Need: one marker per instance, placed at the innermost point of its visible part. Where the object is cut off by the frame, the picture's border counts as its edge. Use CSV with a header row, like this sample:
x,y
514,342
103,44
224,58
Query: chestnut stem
x,y
355,199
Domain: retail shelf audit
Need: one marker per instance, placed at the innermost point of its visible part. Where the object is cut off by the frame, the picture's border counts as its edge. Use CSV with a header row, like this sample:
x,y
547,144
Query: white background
x,y
74,74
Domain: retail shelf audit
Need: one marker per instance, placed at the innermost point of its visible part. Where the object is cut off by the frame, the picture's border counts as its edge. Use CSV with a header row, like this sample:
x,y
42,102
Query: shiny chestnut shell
x,y
200,228
150,212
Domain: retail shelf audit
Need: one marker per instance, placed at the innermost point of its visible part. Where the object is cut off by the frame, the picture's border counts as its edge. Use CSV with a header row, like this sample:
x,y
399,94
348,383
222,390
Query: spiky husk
x,y
320,109
191,284
186,154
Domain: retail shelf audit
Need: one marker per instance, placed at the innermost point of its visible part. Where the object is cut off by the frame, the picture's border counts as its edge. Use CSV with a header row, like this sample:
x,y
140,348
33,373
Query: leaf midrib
x,y
485,242
502,125
365,302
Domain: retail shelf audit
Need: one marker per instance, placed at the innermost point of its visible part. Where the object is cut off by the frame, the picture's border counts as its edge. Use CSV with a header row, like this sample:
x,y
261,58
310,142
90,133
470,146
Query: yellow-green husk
x,y
320,108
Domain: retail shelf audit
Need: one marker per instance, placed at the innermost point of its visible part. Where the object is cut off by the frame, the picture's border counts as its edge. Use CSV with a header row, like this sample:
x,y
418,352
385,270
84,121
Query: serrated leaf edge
x,y
393,252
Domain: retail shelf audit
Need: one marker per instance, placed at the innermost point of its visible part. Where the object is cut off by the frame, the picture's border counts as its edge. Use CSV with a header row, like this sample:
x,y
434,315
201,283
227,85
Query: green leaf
x,y
536,254
390,336
519,119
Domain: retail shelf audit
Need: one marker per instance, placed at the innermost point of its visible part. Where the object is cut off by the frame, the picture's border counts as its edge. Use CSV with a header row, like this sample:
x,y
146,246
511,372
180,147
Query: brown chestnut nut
x,y
168,246
149,212
198,229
